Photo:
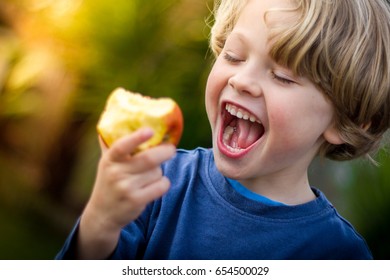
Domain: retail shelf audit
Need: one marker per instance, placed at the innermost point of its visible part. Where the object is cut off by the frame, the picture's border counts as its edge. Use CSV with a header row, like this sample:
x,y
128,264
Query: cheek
x,y
282,128
297,126
209,91
214,87
280,115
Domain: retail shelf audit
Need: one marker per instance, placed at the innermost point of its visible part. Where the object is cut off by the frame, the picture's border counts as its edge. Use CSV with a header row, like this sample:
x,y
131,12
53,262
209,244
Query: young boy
x,y
292,79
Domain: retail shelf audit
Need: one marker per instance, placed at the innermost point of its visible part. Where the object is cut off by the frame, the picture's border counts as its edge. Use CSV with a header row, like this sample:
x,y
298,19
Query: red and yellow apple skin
x,y
126,111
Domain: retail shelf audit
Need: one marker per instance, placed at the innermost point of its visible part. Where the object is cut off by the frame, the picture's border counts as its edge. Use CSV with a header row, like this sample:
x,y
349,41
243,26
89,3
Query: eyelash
x,y
281,79
230,58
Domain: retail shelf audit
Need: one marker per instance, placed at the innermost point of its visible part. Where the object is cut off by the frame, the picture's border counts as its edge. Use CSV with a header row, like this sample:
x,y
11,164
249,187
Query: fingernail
x,y
148,132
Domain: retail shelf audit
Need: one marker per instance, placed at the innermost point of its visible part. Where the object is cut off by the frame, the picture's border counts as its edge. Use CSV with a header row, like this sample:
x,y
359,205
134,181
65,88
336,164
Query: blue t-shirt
x,y
203,217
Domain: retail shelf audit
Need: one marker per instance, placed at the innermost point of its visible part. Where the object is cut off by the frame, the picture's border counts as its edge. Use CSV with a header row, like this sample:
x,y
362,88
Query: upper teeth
x,y
240,113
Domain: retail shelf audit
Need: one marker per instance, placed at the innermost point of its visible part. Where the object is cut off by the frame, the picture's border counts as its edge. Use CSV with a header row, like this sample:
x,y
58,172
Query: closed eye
x,y
281,79
231,58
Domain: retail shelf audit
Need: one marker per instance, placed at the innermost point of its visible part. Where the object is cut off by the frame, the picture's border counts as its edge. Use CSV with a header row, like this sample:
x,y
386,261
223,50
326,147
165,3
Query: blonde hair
x,y
343,47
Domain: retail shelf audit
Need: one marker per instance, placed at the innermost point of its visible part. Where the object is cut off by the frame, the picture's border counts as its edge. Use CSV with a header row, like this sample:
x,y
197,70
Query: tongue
x,y
248,133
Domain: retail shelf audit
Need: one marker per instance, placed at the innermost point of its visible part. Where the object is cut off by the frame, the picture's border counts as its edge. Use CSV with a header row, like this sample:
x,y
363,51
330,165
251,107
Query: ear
x,y
366,126
332,135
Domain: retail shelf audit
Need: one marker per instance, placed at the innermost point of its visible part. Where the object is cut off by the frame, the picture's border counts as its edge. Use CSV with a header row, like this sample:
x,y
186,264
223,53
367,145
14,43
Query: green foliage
x,y
368,198
59,60
153,47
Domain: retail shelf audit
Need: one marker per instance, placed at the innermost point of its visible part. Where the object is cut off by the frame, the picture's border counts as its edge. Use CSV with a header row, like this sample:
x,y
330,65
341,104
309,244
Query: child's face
x,y
290,117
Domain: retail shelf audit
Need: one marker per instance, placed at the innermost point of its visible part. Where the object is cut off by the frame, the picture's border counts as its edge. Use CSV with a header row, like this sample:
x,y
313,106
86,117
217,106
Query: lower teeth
x,y
233,150
226,137
228,132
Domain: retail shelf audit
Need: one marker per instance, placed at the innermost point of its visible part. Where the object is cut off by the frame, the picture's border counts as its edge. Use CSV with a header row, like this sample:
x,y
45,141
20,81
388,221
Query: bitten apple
x,y
126,111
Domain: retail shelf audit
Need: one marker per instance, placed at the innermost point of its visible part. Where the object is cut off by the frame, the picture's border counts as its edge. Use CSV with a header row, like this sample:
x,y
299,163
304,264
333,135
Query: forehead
x,y
269,12
259,18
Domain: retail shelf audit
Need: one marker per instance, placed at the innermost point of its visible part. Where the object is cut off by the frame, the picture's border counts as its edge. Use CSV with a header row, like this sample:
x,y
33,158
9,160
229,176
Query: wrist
x,y
97,238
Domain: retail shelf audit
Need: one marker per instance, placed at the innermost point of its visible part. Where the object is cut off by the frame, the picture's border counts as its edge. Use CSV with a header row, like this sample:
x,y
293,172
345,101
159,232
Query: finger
x,y
141,180
152,191
151,158
125,146
102,144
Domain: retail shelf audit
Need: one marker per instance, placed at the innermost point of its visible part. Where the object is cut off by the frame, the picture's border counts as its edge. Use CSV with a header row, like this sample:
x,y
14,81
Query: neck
x,y
290,190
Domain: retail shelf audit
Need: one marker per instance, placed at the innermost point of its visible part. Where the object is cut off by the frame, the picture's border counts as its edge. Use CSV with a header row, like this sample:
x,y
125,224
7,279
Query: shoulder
x,y
198,153
186,167
340,238
355,245
186,161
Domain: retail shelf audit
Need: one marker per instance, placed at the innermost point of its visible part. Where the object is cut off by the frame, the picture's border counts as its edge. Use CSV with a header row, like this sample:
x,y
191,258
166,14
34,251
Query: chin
x,y
228,167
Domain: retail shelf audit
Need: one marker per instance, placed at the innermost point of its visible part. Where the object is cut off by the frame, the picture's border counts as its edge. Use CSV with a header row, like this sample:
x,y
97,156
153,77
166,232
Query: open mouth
x,y
240,130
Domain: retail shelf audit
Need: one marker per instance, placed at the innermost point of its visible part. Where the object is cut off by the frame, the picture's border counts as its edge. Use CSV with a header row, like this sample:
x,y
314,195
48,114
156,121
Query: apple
x,y
127,111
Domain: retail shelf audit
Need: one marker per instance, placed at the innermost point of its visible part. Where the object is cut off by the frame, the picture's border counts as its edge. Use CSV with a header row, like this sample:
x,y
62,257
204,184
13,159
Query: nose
x,y
246,80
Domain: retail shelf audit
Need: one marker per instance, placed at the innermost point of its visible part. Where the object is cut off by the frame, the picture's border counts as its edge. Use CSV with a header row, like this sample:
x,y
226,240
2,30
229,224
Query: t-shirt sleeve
x,y
68,250
131,242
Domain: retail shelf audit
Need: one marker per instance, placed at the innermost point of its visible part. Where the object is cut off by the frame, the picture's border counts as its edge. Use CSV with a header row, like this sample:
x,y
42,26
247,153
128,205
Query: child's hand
x,y
124,185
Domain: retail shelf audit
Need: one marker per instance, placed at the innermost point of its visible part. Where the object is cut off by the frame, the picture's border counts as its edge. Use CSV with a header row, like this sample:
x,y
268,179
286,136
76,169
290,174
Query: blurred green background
x,y
58,61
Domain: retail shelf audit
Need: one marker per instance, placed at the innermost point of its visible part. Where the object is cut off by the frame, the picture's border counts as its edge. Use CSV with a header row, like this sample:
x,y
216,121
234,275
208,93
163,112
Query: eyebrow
x,y
240,35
